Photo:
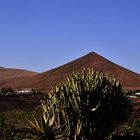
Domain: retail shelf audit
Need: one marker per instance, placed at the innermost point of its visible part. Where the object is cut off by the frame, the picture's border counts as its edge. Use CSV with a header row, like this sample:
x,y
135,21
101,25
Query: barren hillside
x,y
49,79
6,74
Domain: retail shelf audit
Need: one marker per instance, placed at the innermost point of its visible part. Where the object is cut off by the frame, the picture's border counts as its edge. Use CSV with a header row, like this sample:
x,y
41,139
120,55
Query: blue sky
x,y
40,35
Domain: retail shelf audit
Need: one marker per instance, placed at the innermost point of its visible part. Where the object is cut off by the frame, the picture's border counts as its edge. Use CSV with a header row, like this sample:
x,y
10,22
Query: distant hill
x,y
47,80
1,67
7,74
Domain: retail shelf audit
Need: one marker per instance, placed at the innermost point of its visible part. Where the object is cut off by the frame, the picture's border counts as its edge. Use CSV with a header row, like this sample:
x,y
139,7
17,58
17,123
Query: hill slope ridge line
x,y
49,79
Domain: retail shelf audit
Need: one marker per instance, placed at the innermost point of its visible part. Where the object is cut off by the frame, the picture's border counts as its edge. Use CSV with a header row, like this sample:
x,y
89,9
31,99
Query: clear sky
x,y
40,35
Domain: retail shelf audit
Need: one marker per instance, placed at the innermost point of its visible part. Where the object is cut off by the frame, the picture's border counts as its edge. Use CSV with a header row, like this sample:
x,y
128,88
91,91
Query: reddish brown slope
x,y
46,80
6,74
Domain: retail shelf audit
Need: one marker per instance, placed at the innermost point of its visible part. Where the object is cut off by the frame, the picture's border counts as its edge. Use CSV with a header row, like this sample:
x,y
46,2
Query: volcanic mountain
x,y
47,80
7,74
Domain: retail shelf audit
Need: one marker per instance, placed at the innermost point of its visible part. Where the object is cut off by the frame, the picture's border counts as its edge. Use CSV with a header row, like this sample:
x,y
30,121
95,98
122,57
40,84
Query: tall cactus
x,y
89,105
96,101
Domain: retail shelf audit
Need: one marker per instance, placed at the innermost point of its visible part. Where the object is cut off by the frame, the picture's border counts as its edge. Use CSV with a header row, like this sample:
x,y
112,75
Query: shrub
x,y
2,121
6,91
48,127
89,104
129,131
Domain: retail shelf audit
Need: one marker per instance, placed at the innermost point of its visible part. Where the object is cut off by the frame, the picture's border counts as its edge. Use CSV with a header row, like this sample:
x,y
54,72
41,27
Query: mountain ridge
x,y
10,73
47,80
93,53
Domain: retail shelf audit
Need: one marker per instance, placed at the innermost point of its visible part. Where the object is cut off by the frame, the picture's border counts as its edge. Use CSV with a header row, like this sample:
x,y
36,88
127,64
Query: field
x,y
15,110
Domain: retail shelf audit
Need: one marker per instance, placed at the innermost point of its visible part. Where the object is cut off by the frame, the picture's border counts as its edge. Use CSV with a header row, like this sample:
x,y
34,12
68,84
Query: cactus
x,y
48,128
89,105
94,99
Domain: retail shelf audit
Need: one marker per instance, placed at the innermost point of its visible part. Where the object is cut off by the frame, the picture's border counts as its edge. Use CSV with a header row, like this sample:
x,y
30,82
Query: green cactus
x,y
89,105
94,99
49,126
